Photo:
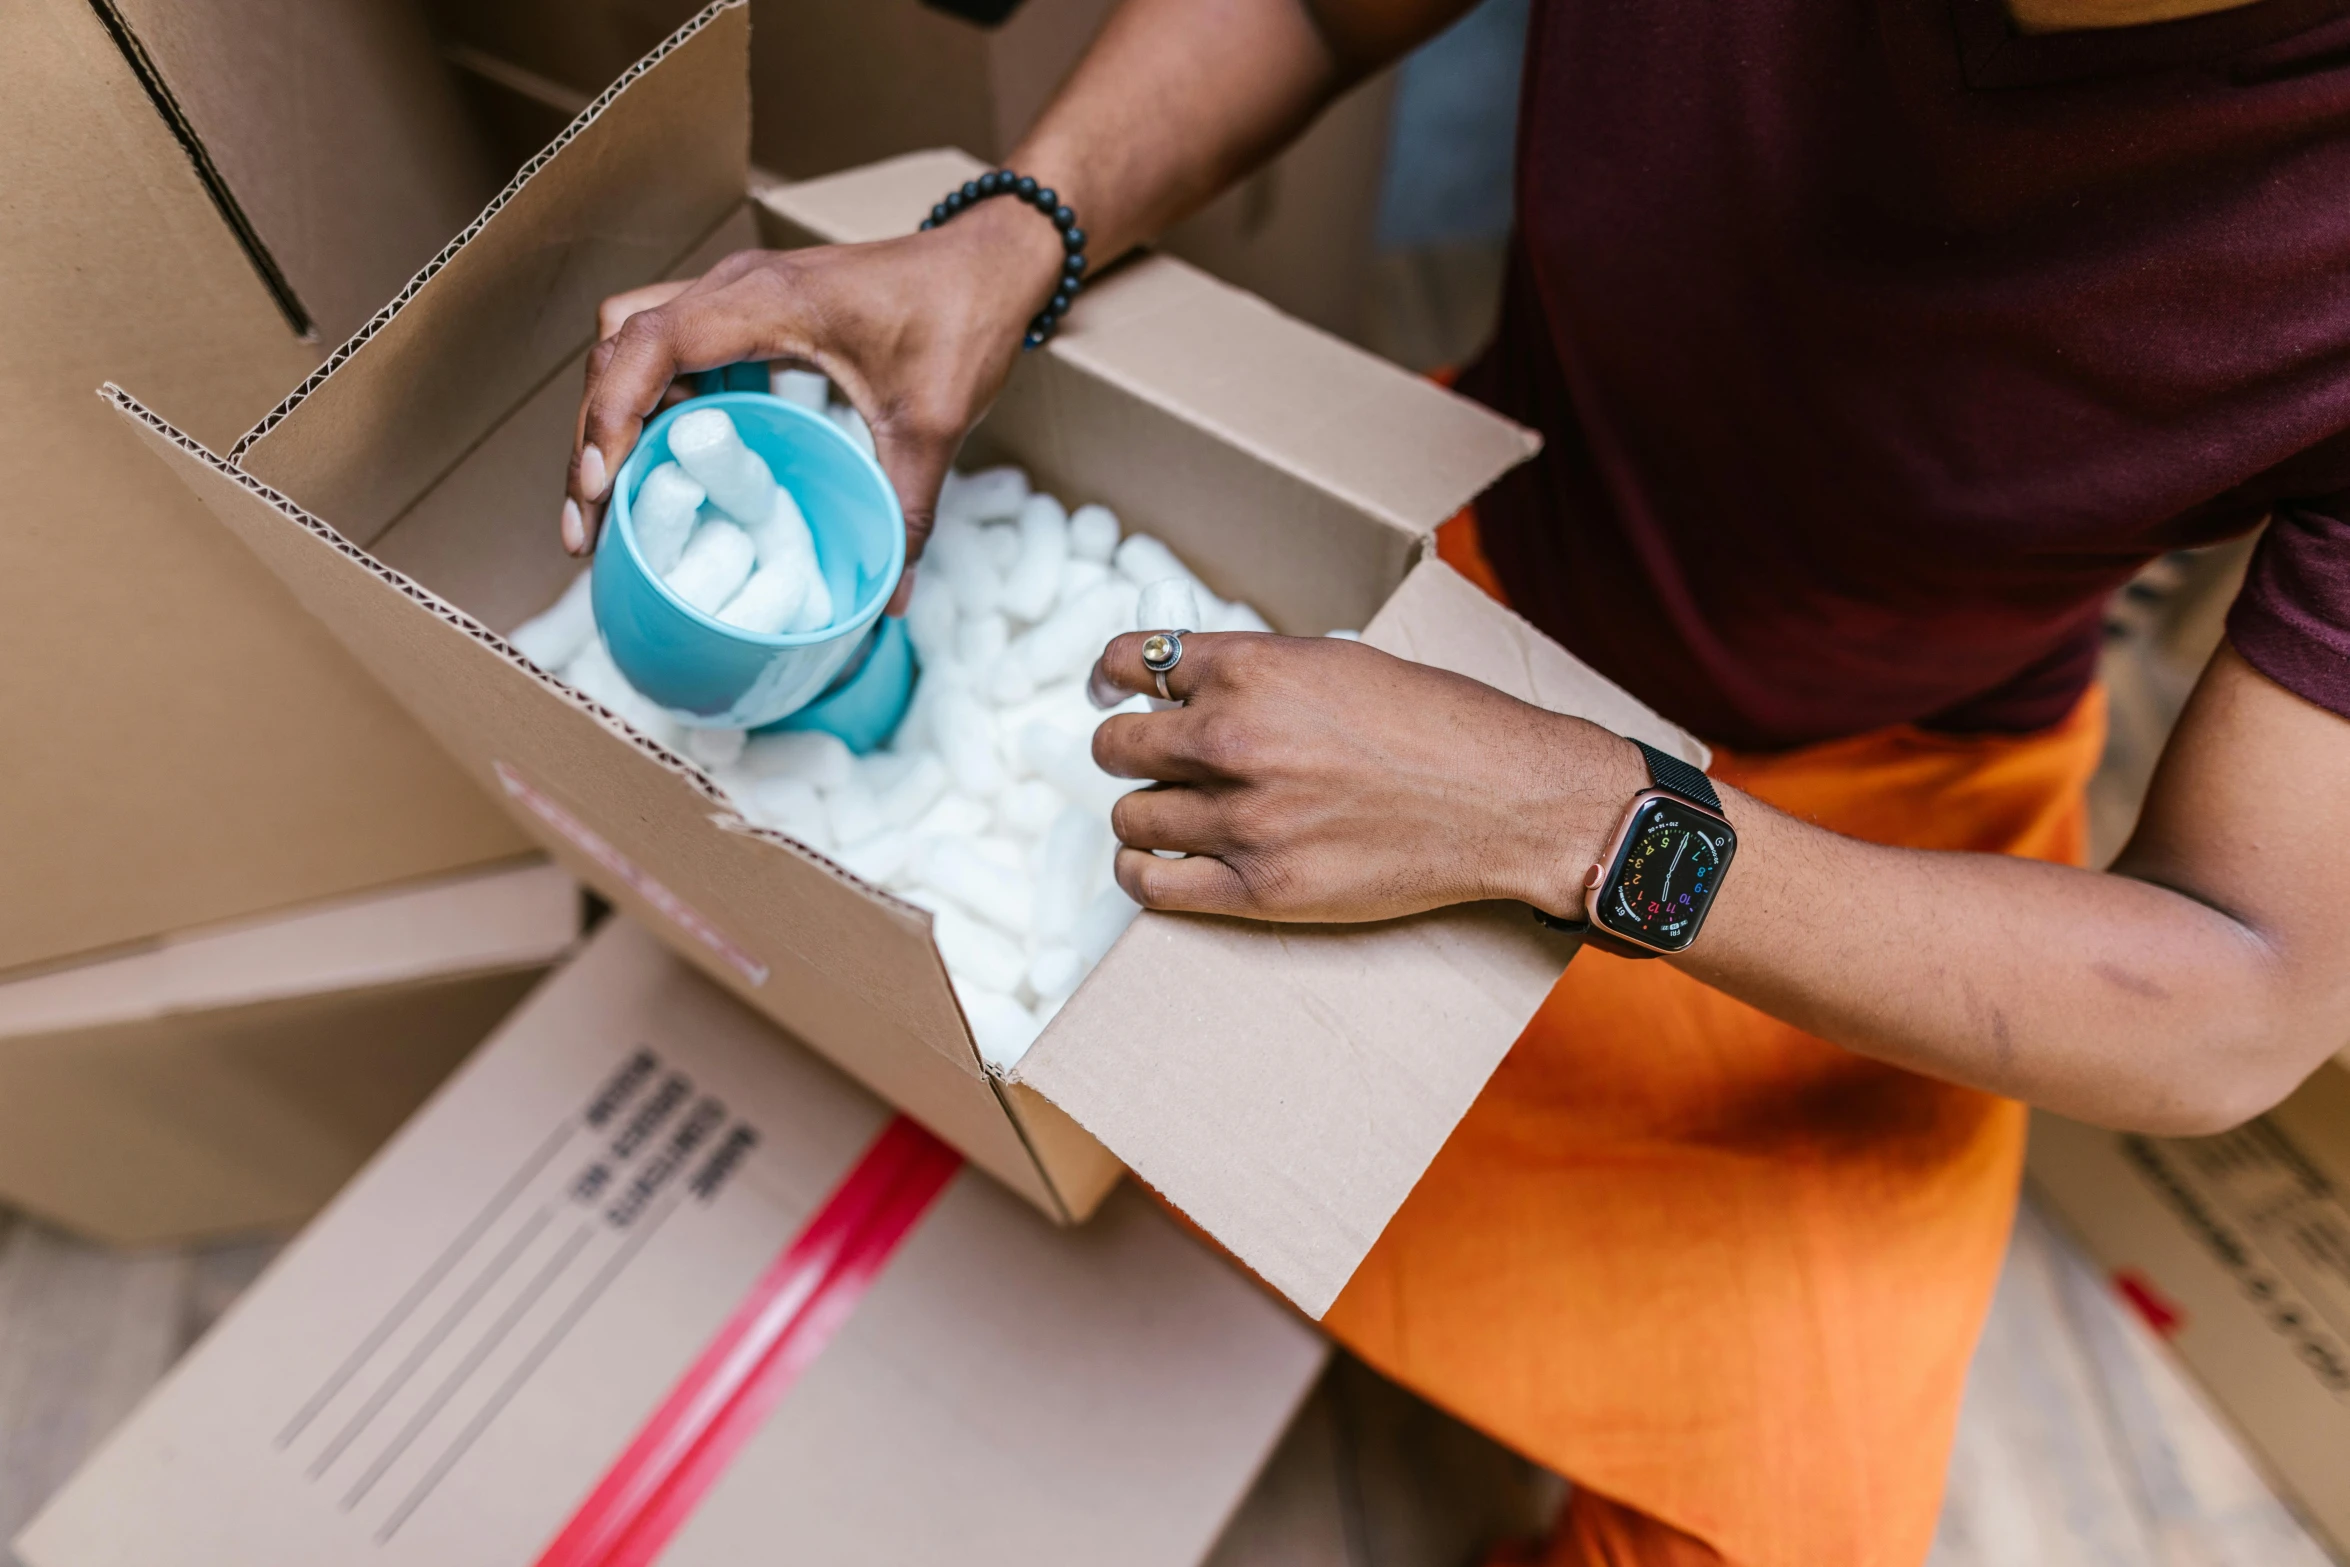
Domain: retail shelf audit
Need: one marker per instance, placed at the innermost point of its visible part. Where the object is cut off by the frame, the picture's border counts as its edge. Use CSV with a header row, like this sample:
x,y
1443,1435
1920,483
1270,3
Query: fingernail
x,y
592,477
574,533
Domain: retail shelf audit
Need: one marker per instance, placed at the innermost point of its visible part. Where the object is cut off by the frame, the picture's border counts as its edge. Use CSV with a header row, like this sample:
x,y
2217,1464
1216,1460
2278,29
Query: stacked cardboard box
x,y
201,198
841,83
453,1363
231,1079
205,198
1285,1087
2235,1250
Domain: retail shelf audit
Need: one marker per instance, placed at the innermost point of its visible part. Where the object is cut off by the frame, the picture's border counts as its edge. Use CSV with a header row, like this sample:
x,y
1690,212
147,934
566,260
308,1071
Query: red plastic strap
x,y
777,1332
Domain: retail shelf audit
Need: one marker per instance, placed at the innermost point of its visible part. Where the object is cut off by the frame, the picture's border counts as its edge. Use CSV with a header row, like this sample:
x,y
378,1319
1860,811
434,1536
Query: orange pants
x,y
1720,1272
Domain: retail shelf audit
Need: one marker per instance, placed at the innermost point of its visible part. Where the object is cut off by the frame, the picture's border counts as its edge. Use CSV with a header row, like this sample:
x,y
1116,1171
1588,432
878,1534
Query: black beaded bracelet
x,y
1003,182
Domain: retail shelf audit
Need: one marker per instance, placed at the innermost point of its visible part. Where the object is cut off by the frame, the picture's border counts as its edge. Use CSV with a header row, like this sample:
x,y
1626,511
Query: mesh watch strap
x,y
1670,772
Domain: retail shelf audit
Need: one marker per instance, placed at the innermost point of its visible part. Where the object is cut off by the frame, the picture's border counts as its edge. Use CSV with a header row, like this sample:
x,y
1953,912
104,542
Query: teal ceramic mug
x,y
718,676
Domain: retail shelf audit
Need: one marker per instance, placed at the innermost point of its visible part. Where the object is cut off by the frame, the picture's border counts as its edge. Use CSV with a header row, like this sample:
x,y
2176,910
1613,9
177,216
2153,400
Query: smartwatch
x,y
1648,895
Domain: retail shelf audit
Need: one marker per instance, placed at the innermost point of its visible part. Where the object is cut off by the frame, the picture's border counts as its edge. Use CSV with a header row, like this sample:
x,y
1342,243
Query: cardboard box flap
x,y
328,131
1393,444
440,1368
520,918
762,913
1291,1105
654,164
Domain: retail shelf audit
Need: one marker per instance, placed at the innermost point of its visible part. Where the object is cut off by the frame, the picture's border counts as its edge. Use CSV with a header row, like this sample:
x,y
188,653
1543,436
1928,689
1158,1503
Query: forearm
x,y
1177,99
2096,995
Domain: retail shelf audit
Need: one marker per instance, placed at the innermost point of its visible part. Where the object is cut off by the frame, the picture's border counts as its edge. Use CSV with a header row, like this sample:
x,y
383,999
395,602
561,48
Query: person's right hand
x,y
918,333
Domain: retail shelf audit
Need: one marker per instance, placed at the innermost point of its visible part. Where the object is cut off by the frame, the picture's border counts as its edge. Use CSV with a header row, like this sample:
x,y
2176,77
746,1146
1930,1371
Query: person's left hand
x,y
1320,779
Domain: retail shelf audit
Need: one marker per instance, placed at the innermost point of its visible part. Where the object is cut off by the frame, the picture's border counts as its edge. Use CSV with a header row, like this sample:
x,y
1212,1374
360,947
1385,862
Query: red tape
x,y
802,1299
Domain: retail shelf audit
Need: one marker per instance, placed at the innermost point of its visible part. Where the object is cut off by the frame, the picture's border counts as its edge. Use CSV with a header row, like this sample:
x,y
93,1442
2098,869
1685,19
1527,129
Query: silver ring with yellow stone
x,y
1161,652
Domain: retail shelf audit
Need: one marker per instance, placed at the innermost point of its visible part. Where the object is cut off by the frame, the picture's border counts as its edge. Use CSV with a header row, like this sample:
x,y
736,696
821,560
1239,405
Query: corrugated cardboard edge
x,y
722,811
383,317
527,915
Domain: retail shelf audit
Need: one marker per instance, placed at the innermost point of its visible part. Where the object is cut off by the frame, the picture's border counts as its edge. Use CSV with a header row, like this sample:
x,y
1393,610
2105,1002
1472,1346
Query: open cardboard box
x,y
229,1080
2235,1250
1285,1086
441,1368
836,84
195,194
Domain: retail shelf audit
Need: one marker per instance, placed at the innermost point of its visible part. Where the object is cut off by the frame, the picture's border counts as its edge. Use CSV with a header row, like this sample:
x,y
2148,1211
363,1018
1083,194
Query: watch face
x,y
1665,877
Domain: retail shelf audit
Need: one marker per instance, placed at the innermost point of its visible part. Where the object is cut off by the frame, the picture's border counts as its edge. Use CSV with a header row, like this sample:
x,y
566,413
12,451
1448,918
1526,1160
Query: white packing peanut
x,y
810,754
1001,540
966,740
1055,971
954,869
985,957
1093,534
1065,644
792,805
954,816
714,748
554,638
1234,616
1001,1027
878,858
717,562
706,444
662,514
981,639
1034,579
905,800
809,389
1069,865
931,617
593,675
1079,578
1026,809
1066,762
854,815
1169,604
775,600
959,555
983,496
1143,560
1105,919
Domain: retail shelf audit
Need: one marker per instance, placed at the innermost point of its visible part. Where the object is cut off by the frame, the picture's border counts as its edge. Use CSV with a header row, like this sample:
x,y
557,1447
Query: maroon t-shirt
x,y
1875,345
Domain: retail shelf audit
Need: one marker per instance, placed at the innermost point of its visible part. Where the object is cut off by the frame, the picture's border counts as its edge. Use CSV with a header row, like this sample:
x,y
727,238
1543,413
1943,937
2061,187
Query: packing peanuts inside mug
x,y
852,674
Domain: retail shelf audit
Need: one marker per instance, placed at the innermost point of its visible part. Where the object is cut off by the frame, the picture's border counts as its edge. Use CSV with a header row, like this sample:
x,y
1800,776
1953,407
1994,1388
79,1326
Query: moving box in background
x,y
840,83
230,1080
444,1365
1284,1086
2235,1249
204,198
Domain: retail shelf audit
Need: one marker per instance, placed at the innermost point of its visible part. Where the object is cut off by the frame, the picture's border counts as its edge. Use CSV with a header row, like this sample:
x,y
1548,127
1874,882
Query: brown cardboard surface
x,y
231,1080
514,298
337,128
2244,1238
184,744
1006,1394
1291,1106
842,83
1194,411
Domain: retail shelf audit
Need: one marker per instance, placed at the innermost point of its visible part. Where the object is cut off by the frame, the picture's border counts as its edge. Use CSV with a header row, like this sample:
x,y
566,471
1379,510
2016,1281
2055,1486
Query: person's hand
x,y
1312,778
918,333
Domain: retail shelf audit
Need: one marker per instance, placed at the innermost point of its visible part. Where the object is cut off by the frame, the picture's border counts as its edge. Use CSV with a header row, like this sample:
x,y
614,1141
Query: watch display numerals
x,y
1666,873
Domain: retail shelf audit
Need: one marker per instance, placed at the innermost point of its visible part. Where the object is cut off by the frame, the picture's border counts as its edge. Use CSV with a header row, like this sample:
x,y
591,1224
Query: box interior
x,y
1291,469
